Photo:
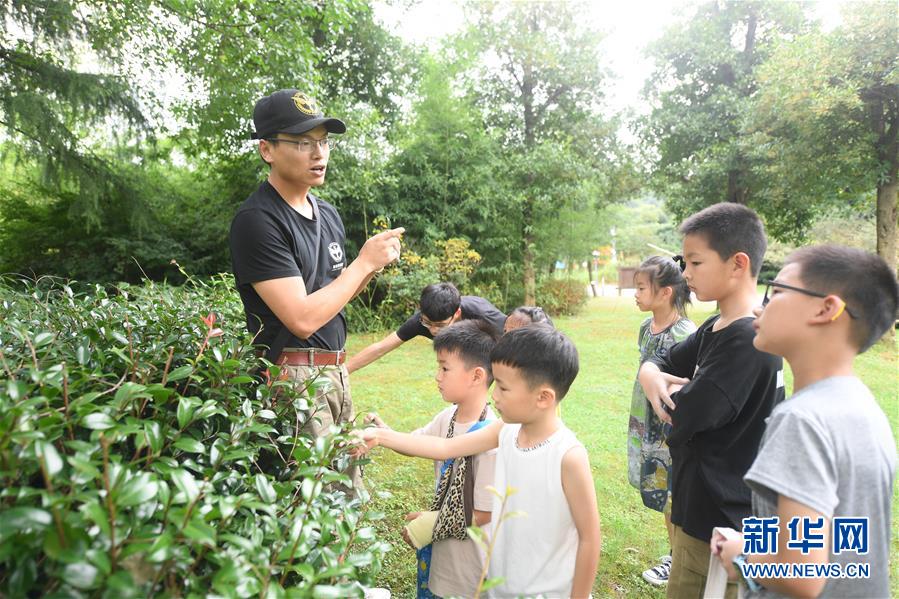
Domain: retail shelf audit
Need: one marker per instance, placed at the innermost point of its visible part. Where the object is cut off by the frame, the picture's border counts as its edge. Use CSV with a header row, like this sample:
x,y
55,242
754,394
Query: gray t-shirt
x,y
830,448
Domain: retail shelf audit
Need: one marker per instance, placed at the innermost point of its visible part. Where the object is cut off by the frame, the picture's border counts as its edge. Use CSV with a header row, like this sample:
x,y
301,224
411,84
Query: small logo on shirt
x,y
780,379
336,251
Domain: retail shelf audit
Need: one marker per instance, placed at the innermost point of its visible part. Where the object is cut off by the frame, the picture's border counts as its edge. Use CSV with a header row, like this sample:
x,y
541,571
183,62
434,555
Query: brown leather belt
x,y
311,357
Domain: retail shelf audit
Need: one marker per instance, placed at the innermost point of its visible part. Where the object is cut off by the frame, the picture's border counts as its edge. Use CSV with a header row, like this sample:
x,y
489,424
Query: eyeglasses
x,y
306,145
434,325
769,284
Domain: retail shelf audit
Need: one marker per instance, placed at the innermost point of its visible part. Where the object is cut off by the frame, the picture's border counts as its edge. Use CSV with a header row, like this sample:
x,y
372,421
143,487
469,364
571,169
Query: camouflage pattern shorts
x,y
332,404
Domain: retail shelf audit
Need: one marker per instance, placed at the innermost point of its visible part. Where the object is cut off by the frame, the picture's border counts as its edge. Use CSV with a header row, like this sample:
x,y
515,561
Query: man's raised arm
x,y
304,314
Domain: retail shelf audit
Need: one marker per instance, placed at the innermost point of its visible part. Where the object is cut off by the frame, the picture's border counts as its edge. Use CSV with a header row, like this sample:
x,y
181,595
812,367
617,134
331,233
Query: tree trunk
x,y
886,232
530,278
883,114
736,190
528,83
737,177
886,221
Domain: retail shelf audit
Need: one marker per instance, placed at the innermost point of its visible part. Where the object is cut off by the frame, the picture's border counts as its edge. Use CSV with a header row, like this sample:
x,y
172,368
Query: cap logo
x,y
304,103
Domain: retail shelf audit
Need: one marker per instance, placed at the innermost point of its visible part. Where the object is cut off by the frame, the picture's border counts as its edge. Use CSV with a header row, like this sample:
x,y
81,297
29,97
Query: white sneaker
x,y
377,593
658,575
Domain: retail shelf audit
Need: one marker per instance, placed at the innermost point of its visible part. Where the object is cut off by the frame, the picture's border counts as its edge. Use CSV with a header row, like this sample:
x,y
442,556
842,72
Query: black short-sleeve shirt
x,y
271,240
472,307
718,423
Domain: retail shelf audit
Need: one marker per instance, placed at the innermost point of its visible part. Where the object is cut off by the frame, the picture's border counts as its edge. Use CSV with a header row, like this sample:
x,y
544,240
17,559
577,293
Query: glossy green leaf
x,y
98,421
265,489
186,483
23,519
180,373
189,444
139,489
81,575
153,434
47,452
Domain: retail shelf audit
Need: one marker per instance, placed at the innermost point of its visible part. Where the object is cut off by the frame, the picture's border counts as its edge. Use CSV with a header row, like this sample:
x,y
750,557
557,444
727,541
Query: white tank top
x,y
534,552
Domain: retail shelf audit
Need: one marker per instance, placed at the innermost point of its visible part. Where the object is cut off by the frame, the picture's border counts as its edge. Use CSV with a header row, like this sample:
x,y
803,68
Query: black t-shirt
x,y
472,307
718,423
271,240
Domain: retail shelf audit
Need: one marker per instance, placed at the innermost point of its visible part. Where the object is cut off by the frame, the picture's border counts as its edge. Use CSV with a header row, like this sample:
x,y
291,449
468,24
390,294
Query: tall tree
x,y
827,117
700,90
78,104
445,167
539,84
53,108
233,52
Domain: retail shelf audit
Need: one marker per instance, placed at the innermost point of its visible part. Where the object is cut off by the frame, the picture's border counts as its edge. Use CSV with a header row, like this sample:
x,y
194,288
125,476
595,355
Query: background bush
x,y
561,296
139,456
393,297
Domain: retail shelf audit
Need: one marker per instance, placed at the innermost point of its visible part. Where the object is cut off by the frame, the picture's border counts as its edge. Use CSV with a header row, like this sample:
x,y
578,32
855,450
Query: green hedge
x,y
561,296
140,457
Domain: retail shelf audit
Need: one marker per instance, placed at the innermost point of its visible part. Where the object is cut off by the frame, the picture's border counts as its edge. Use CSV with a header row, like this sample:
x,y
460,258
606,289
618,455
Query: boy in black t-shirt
x,y
715,389
440,305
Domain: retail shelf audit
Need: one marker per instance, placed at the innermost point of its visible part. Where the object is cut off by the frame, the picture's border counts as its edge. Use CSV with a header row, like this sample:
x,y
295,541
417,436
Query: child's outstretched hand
x,y
364,440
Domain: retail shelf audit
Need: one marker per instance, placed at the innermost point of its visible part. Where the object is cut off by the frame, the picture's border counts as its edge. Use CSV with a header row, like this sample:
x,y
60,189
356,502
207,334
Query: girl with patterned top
x,y
661,289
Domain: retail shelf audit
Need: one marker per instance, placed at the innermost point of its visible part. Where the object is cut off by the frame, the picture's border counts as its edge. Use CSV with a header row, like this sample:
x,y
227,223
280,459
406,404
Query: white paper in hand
x,y
716,582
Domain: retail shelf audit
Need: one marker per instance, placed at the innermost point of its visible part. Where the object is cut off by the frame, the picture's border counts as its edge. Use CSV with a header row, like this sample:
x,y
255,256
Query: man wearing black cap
x,y
287,253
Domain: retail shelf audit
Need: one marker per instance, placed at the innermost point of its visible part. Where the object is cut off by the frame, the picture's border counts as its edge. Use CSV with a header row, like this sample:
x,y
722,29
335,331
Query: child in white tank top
x,y
545,527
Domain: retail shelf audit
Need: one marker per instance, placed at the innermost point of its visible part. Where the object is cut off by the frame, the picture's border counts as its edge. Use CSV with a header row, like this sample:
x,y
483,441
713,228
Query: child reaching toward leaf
x,y
449,563
552,548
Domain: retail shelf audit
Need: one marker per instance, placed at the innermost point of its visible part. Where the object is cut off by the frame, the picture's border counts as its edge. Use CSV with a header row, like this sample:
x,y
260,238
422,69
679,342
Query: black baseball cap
x,y
290,111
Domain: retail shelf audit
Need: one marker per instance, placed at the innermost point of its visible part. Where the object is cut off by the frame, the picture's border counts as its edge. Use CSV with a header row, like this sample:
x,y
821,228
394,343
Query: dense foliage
x,y
426,146
753,102
126,130
139,455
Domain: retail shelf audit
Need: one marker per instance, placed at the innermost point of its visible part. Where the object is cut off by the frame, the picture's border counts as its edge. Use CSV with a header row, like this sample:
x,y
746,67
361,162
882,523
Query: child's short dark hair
x,y
729,228
864,281
439,301
543,355
472,340
536,314
664,272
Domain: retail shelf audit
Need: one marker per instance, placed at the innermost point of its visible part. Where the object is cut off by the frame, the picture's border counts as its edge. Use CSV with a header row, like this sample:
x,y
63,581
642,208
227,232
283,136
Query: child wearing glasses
x,y
828,452
715,389
662,290
440,305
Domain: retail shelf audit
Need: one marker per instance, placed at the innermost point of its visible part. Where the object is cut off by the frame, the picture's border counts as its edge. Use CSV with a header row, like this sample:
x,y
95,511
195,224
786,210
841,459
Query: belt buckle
x,y
311,356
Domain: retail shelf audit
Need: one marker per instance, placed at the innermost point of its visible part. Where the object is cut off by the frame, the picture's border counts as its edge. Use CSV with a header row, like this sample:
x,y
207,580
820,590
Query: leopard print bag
x,y
454,498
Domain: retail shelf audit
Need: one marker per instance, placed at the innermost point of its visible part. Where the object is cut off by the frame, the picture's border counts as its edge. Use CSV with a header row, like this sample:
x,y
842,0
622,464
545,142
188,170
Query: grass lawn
x,y
400,387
